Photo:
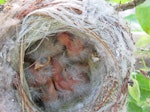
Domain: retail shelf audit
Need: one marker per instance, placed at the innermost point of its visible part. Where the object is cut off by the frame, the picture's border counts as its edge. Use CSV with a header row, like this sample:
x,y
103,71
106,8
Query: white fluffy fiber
x,y
8,101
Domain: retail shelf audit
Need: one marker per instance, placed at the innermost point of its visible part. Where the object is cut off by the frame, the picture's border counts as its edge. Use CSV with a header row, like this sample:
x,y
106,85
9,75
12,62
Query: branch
x,y
129,5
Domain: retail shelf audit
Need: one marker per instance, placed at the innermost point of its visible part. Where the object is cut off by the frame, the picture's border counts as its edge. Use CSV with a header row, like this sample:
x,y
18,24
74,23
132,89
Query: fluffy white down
x,y
8,101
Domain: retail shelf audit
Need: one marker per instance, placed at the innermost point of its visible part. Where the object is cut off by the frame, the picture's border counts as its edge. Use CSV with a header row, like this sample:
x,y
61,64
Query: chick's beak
x,y
39,64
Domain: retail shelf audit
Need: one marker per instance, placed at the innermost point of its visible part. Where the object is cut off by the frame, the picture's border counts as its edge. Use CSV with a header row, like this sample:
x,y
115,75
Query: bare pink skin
x,y
62,78
51,93
40,80
61,82
74,46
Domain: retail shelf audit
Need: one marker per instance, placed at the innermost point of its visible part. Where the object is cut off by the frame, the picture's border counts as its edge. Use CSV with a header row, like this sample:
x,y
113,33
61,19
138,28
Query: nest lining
x,y
51,47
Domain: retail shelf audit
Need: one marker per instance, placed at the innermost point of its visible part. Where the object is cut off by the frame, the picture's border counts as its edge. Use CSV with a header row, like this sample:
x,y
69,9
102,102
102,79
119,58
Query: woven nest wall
x,y
64,56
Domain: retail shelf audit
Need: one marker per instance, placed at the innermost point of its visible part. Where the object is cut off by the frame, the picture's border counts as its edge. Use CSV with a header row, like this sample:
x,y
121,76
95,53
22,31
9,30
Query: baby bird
x,y
76,48
44,48
58,69
67,79
50,93
39,78
59,80
38,73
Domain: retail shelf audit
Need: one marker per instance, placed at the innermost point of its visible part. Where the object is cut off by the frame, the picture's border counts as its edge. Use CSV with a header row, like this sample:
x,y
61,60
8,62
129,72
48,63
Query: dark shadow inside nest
x,y
58,71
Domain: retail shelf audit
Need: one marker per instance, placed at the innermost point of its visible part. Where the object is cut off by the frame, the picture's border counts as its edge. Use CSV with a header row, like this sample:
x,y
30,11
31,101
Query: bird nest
x,y
72,56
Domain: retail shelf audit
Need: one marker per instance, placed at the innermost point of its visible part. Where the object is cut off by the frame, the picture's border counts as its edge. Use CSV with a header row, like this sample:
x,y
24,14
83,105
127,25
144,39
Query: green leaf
x,y
132,107
2,1
143,15
142,104
143,82
120,1
146,109
144,95
143,41
131,18
134,91
144,100
130,99
135,26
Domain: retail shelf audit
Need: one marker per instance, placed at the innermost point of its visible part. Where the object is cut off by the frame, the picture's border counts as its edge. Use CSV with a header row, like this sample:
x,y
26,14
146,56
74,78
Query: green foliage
x,y
2,1
139,94
132,107
131,18
143,15
134,91
120,1
143,41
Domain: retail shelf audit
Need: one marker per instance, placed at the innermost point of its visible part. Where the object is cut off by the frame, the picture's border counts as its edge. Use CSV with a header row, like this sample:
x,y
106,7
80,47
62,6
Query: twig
x,y
107,96
129,5
23,84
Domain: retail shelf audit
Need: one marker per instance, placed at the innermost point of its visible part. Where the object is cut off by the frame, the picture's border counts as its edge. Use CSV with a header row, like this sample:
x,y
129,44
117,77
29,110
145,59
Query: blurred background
x,y
138,19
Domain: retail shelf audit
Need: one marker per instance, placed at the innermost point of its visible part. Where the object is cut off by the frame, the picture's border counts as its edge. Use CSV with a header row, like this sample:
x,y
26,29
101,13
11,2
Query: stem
x,y
129,5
